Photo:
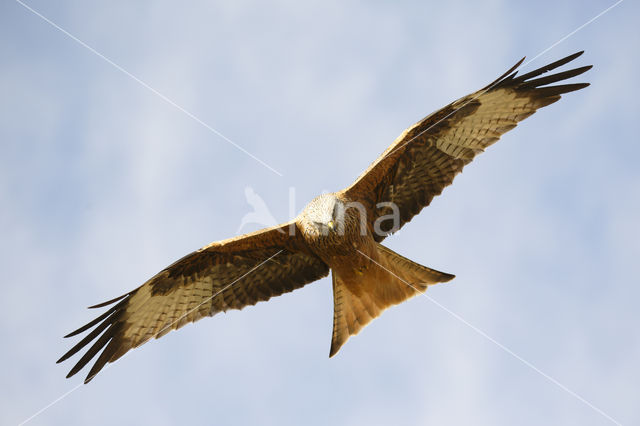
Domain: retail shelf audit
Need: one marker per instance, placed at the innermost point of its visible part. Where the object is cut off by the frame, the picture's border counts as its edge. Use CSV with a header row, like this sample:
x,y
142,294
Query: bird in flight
x,y
339,232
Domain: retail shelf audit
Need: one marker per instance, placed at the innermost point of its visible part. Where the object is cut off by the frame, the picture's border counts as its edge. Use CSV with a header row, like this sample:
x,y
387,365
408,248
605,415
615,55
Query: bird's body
x,y
367,277
330,228
339,232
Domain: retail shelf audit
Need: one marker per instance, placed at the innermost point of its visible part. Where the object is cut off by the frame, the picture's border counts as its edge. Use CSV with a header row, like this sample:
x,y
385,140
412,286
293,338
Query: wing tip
x,y
75,332
509,77
106,331
575,55
109,302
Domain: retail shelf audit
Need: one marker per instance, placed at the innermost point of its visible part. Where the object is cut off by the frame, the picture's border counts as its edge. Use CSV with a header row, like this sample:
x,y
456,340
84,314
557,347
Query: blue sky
x,y
103,183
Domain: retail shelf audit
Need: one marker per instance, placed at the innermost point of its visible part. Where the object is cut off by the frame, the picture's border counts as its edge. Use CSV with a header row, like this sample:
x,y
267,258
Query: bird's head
x,y
324,215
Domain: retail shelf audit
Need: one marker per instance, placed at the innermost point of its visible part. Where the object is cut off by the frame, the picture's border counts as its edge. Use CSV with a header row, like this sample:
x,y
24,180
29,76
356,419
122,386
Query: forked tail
x,y
361,297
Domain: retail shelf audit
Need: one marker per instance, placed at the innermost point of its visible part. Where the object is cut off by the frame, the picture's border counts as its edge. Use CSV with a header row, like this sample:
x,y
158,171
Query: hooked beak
x,y
331,225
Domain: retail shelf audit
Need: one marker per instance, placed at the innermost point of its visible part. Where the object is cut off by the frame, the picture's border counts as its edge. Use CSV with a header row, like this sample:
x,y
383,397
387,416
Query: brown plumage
x,y
340,232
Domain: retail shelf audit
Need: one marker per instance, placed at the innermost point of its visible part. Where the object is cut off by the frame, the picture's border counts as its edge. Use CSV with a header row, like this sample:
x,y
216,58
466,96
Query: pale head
x,y
323,215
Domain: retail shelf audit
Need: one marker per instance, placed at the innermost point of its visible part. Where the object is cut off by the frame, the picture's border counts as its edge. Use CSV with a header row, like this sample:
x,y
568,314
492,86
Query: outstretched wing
x,y
229,274
427,156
